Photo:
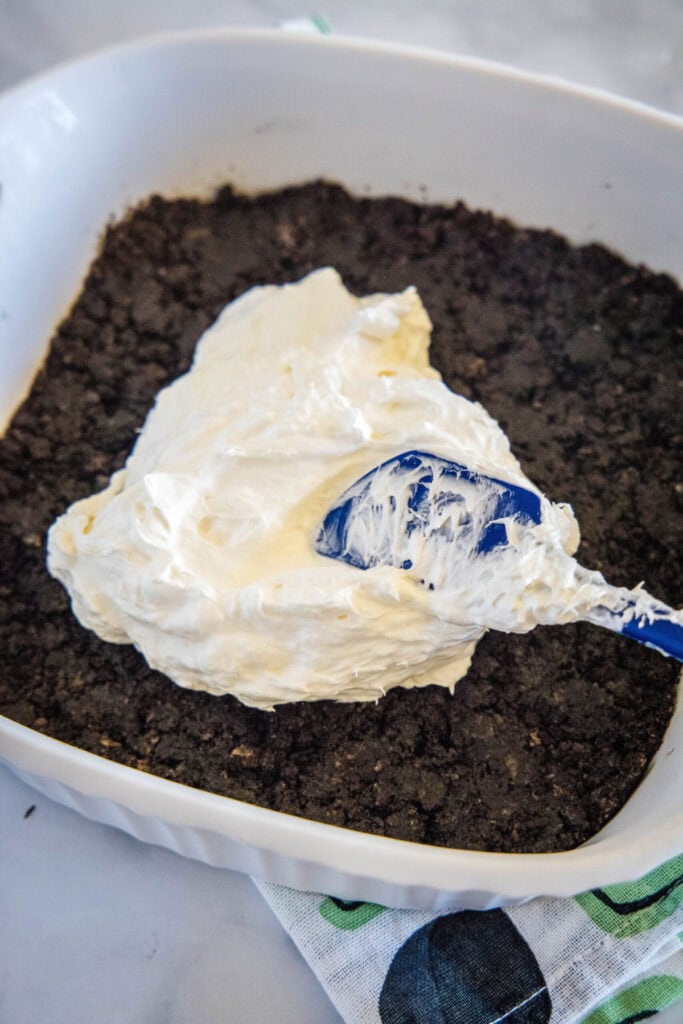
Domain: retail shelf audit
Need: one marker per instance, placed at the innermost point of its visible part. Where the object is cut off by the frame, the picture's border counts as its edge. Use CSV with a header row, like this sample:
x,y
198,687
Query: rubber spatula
x,y
412,508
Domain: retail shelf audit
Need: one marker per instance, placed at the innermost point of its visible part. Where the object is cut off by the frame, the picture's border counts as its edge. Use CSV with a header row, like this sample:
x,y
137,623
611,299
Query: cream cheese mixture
x,y
201,551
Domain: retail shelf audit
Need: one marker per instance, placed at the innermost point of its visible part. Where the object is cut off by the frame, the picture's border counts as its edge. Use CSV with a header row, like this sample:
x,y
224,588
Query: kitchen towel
x,y
609,956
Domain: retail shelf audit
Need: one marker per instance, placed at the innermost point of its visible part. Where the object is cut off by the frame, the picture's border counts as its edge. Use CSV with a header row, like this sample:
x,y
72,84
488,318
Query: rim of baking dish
x,y
343,41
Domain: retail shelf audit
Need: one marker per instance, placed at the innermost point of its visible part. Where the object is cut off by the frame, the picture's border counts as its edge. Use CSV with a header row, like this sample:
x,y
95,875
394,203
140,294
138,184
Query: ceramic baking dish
x,y
182,114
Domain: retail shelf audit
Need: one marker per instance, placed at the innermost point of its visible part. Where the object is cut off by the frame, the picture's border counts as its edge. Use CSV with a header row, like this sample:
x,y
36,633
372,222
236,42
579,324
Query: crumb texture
x,y
575,352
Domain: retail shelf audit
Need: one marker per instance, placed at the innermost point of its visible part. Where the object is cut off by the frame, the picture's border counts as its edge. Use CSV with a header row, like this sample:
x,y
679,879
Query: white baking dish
x,y
182,114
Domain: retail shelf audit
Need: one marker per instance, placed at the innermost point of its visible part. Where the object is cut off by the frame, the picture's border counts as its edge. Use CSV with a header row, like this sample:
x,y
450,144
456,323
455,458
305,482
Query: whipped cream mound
x,y
200,552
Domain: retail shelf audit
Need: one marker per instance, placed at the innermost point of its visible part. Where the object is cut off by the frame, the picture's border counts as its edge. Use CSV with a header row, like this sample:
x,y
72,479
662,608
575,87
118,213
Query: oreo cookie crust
x,y
573,350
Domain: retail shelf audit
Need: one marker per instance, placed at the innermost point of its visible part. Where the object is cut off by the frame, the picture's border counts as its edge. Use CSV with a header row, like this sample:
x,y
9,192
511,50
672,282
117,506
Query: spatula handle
x,y
660,627
663,634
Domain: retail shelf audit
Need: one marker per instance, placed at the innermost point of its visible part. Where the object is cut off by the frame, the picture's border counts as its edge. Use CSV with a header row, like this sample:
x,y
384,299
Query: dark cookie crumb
x,y
574,352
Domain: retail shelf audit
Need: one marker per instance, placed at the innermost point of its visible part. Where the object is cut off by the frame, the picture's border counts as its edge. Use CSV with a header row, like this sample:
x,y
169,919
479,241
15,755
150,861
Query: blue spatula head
x,y
434,517
416,503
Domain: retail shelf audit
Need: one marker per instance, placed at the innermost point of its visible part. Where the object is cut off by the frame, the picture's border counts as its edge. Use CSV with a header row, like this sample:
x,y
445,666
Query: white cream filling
x,y
200,552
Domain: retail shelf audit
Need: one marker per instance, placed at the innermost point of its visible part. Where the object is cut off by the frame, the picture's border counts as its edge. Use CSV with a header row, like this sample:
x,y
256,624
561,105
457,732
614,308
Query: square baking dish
x,y
183,114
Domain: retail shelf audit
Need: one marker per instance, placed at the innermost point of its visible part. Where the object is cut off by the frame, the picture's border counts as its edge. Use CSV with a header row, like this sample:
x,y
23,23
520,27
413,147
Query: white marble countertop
x,y
93,924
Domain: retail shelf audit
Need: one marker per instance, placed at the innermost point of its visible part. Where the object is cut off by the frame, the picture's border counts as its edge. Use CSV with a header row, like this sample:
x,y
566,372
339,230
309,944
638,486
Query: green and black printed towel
x,y
610,956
